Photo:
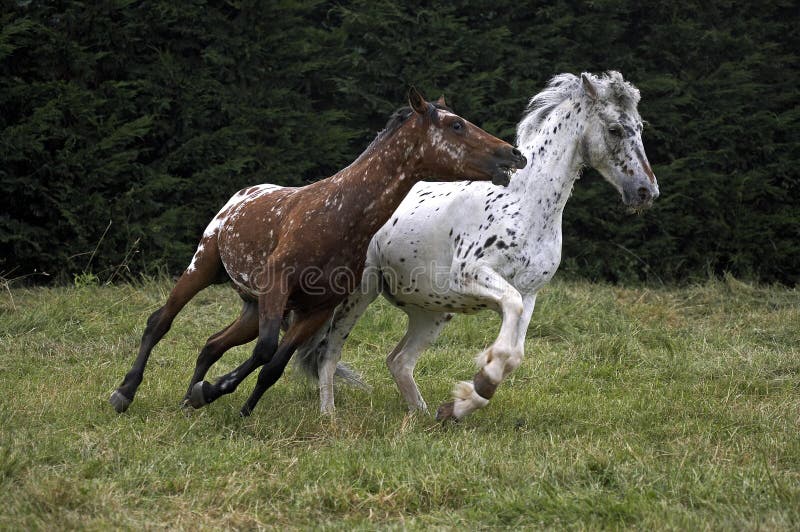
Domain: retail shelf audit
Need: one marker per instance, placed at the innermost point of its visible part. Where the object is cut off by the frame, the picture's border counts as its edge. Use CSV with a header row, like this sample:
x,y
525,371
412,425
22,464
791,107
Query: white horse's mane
x,y
610,86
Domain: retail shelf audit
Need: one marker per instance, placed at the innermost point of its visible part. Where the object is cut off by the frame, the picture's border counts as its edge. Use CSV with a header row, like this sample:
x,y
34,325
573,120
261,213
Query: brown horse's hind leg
x,y
241,331
271,305
301,330
207,266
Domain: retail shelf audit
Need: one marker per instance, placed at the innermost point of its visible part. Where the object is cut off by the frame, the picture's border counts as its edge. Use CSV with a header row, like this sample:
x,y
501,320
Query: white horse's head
x,y
612,138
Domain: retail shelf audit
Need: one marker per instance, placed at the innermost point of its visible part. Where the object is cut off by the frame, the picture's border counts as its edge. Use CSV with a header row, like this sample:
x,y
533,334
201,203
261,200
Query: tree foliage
x,y
126,124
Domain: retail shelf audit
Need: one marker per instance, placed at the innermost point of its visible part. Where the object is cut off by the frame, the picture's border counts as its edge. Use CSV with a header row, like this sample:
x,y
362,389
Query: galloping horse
x,y
454,248
300,250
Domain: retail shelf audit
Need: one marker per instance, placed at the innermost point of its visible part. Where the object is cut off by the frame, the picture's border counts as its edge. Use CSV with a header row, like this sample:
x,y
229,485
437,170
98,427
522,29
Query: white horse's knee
x,y
512,305
494,369
498,358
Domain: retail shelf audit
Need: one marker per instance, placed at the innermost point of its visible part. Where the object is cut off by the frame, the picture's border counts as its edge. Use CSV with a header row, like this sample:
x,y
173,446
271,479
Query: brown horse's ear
x,y
416,101
588,86
441,101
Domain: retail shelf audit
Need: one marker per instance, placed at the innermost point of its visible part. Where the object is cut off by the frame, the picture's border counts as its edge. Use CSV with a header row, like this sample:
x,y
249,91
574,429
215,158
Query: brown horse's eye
x,y
457,125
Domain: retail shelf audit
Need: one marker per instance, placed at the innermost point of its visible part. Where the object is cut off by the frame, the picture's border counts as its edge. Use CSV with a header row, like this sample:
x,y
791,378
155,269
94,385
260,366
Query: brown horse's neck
x,y
378,181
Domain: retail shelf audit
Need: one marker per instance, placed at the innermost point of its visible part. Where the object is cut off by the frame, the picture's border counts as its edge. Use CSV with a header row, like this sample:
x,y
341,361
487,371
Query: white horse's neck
x,y
555,161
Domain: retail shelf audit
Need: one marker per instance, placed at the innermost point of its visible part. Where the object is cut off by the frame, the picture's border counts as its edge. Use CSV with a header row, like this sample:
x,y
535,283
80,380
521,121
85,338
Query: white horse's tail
x,y
310,355
351,377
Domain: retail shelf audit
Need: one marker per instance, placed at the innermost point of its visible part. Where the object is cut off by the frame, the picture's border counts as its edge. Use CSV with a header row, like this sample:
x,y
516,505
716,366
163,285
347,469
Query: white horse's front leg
x,y
483,283
528,302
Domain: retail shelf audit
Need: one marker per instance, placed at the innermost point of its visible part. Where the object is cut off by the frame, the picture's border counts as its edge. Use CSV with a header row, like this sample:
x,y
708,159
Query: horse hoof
x,y
245,412
445,412
197,399
119,401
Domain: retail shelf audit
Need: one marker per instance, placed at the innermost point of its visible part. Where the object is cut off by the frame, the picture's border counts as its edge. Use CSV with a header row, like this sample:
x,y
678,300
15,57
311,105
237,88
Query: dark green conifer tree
x,y
124,125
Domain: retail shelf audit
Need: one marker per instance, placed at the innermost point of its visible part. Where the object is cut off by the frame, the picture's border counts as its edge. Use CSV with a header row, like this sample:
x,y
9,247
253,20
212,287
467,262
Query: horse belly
x,y
304,300
416,256
436,299
317,285
426,286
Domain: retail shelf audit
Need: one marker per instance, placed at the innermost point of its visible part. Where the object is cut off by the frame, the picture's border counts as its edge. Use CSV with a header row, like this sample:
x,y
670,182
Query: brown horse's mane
x,y
399,117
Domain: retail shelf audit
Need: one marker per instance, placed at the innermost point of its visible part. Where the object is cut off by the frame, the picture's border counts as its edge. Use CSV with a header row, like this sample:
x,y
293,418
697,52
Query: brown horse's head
x,y
452,148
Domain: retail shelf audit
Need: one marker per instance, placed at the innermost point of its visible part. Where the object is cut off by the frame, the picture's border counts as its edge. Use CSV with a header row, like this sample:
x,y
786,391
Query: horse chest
x,y
523,254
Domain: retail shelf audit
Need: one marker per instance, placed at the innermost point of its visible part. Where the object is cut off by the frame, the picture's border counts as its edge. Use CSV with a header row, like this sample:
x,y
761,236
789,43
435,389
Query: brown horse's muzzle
x,y
506,160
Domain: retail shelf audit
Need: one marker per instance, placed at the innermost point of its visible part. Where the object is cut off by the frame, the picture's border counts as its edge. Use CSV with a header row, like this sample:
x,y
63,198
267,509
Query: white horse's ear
x,y
588,86
416,101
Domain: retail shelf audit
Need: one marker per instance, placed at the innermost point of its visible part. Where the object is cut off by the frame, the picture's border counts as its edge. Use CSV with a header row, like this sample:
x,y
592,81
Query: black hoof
x,y
245,411
197,399
119,401
445,412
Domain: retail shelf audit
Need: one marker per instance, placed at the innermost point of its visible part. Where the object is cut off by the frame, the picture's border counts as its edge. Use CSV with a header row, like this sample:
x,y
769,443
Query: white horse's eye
x,y
615,130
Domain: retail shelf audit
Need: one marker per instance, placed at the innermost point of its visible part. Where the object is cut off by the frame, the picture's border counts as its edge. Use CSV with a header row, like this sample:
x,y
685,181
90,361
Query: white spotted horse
x,y
462,247
299,250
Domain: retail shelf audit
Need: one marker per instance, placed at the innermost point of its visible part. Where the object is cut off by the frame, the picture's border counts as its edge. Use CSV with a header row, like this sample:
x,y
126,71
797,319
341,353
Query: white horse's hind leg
x,y
327,369
423,328
486,284
345,318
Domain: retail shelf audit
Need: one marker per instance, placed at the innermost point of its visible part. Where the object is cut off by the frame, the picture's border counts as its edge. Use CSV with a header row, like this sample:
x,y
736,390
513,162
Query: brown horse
x,y
302,250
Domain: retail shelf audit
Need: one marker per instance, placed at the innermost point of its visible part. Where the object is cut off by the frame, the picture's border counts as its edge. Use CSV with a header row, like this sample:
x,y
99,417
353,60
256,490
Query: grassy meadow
x,y
674,408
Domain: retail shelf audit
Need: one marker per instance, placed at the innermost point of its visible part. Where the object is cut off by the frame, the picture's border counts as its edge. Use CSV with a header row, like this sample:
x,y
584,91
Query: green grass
x,y
634,408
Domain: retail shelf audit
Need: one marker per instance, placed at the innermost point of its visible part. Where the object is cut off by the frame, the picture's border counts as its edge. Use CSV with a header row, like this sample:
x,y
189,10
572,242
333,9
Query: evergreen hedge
x,y
127,124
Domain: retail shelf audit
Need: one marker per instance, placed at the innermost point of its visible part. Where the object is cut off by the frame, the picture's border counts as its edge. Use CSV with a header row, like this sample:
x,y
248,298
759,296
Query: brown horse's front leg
x,y
301,330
